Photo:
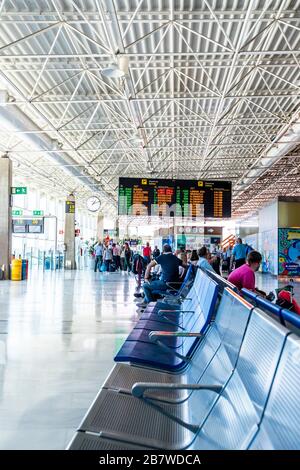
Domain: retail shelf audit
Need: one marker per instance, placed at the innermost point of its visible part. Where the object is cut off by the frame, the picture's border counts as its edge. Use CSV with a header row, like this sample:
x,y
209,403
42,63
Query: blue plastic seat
x,y
280,427
157,354
189,321
231,321
189,304
166,418
191,296
174,293
221,281
235,418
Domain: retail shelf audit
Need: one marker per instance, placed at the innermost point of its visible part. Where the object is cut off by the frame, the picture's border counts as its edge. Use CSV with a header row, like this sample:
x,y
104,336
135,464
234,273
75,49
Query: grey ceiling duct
x,y
17,119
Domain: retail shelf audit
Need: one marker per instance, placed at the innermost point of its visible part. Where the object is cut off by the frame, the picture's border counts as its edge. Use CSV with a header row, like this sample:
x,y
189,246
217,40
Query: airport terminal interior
x,y
149,225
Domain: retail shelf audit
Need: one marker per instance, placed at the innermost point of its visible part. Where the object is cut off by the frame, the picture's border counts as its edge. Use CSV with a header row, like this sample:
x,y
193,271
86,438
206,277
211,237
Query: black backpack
x,y
138,264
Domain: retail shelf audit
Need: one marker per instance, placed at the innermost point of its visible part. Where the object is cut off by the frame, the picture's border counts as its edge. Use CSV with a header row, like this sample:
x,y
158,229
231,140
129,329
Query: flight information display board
x,y
145,196
164,197
197,198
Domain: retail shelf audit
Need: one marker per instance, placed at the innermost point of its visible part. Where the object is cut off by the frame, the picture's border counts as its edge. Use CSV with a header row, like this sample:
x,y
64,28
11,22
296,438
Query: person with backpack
x,y
248,249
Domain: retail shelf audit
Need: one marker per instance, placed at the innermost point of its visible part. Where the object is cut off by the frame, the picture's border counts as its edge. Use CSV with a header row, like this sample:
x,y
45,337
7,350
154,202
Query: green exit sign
x,y
38,213
17,212
18,190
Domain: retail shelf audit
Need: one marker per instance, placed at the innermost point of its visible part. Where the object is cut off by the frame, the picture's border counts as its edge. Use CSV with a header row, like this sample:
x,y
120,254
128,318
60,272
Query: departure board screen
x,y
164,197
145,196
198,198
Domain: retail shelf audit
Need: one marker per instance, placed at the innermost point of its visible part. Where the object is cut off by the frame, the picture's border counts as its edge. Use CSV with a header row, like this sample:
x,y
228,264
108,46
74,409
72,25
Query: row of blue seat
x,y
170,343
236,389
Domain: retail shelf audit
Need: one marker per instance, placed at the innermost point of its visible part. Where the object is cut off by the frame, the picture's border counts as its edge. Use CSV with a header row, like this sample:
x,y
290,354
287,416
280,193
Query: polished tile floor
x,y
58,335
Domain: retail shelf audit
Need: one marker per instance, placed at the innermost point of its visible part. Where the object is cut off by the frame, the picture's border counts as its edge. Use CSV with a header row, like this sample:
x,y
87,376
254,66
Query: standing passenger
x,y
239,253
128,257
108,257
98,256
122,258
116,255
147,253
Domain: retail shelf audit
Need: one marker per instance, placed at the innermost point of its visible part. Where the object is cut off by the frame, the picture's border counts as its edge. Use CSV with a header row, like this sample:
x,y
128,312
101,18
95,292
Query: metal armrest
x,y
139,388
174,311
170,285
155,335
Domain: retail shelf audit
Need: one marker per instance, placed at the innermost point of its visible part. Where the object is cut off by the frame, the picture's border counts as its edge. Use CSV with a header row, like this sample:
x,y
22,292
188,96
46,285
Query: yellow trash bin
x,y
16,270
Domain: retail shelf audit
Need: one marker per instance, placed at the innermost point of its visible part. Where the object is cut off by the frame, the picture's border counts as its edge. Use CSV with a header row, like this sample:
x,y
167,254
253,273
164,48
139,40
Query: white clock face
x,y
93,203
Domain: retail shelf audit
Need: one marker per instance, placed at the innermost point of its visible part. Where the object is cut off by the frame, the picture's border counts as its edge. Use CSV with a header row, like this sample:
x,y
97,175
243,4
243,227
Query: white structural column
x,y
5,212
117,229
70,233
100,226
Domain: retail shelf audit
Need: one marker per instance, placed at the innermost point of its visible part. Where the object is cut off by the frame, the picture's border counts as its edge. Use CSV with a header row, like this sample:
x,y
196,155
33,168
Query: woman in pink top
x,y
244,277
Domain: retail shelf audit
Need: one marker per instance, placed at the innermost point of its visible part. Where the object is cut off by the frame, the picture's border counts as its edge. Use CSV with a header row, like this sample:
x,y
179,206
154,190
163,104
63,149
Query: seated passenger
x,y
156,272
169,273
203,263
244,277
216,263
182,255
194,258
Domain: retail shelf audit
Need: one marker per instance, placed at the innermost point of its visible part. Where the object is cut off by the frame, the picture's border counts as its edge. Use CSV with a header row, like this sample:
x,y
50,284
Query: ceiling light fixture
x,y
117,70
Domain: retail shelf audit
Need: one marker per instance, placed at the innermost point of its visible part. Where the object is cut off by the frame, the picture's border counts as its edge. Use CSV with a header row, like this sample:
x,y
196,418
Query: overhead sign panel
x,y
28,225
164,197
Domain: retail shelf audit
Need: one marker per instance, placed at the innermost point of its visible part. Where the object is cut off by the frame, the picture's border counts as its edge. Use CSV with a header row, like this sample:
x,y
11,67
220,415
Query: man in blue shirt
x,y
170,273
239,253
203,259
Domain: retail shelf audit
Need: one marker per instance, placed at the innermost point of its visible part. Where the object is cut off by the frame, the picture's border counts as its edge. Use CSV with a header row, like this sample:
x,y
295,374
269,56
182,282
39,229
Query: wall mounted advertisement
x,y
268,250
289,251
